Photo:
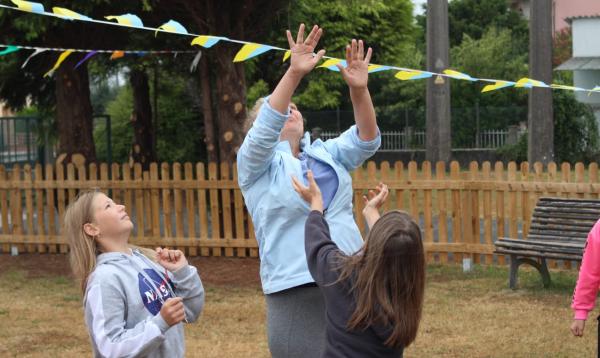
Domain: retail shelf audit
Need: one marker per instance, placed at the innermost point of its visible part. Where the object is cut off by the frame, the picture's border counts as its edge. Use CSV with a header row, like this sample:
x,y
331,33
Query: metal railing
x,y
18,140
409,139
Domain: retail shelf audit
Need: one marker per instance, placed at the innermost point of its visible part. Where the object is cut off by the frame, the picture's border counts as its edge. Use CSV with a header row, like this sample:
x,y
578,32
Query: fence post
x,y
28,139
513,135
477,139
109,144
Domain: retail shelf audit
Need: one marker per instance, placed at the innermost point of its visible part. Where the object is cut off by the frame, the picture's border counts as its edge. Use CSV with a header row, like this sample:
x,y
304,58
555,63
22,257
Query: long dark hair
x,y
388,278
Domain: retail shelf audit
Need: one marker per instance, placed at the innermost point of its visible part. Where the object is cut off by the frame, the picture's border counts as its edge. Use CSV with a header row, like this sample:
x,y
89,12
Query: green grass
x,y
466,315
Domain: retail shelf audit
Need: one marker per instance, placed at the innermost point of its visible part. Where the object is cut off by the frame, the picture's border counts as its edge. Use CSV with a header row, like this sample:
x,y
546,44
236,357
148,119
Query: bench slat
x,y
573,228
545,200
552,209
540,248
556,233
549,255
563,216
537,242
556,217
555,238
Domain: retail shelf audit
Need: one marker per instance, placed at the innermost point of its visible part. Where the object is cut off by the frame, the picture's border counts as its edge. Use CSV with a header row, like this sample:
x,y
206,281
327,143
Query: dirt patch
x,y
242,272
37,265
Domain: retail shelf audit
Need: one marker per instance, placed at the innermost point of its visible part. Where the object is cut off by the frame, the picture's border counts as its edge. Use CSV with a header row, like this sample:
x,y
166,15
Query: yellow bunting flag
x,y
528,83
127,19
331,63
68,14
206,41
378,68
412,75
459,75
173,27
595,89
60,60
29,6
250,50
496,86
570,88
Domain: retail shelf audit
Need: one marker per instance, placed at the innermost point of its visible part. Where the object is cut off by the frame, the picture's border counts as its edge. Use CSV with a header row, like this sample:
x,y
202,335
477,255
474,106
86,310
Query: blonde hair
x,y
252,114
83,248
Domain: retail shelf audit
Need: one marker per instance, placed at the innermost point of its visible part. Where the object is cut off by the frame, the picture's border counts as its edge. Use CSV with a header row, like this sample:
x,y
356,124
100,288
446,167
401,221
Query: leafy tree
x,y
385,25
475,17
67,93
575,129
178,128
493,56
225,93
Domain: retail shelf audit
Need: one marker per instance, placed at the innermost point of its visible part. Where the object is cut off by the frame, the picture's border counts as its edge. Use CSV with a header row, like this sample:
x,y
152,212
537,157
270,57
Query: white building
x,y
562,10
585,62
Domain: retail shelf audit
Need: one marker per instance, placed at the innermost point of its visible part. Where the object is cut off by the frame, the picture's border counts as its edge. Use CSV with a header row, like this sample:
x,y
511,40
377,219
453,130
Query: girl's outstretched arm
x,y
320,250
356,75
373,201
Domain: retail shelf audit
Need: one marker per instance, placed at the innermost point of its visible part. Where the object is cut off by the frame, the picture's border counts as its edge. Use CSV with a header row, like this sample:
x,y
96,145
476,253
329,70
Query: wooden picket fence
x,y
200,207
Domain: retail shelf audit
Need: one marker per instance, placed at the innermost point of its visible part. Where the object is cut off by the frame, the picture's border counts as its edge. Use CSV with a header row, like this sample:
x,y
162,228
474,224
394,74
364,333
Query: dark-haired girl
x,y
373,298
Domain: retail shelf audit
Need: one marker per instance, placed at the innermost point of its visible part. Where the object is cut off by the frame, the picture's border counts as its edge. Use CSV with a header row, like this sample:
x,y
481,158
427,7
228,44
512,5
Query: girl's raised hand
x,y
375,198
310,193
172,260
356,73
303,58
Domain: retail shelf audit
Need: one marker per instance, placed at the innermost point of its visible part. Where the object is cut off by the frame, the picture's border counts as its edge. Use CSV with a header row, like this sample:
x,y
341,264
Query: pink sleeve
x,y
588,282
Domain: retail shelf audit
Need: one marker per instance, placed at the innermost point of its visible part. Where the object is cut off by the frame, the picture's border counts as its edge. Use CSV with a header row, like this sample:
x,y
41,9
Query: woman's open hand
x,y
356,73
303,58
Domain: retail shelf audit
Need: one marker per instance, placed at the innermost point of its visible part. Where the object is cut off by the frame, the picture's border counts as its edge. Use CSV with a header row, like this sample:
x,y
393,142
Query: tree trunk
x,y
142,150
207,111
74,112
233,19
438,135
541,116
231,105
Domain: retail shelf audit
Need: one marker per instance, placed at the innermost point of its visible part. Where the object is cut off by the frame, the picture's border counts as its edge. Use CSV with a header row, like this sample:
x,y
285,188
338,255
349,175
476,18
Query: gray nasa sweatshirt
x,y
123,299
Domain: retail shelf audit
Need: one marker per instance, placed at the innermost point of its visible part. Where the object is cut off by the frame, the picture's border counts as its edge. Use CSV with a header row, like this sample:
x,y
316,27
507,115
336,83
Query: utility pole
x,y
541,115
438,143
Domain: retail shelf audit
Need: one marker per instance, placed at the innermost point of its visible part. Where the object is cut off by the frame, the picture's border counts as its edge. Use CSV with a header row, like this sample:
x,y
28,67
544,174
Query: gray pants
x,y
296,322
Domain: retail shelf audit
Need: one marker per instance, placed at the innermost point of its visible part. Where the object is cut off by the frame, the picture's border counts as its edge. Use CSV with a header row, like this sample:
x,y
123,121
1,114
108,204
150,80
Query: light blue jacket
x,y
265,169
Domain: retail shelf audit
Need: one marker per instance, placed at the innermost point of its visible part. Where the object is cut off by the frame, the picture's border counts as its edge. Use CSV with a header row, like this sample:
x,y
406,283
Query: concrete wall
x,y
562,10
587,79
569,8
585,37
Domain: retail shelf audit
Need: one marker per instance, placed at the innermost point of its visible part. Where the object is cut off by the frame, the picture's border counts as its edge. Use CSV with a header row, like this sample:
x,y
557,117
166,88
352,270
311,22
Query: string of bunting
x,y
251,49
115,54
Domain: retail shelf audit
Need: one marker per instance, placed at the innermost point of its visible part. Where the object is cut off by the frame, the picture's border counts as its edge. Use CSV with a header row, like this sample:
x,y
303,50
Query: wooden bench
x,y
558,231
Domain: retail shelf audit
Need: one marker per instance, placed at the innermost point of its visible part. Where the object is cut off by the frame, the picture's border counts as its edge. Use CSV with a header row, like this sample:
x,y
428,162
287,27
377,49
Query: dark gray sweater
x,y
321,254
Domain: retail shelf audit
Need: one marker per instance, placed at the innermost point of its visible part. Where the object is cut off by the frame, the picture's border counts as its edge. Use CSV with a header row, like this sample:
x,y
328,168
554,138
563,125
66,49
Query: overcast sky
x,y
418,8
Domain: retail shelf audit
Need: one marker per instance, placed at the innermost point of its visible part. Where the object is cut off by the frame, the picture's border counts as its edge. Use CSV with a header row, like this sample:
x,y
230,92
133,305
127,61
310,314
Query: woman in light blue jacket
x,y
275,149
